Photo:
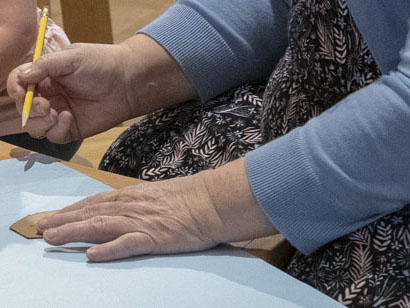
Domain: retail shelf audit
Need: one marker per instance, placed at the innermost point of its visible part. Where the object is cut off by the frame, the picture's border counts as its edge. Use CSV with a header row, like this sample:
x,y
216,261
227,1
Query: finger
x,y
40,107
83,214
40,104
63,131
52,65
15,88
98,229
50,87
46,223
107,196
59,103
39,126
127,245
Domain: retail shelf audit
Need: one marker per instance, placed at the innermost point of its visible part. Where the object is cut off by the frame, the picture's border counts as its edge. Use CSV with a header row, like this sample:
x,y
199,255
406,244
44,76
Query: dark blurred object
x,y
43,146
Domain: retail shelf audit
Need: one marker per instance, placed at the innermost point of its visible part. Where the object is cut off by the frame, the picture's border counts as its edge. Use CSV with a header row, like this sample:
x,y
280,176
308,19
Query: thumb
x,y
53,65
127,245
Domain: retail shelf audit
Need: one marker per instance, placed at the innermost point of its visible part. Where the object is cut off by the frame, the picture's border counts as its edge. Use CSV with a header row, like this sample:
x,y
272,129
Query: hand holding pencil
x,y
86,89
37,53
81,91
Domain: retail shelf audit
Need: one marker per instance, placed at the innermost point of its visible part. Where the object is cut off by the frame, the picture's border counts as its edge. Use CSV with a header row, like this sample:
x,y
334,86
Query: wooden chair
x,y
86,20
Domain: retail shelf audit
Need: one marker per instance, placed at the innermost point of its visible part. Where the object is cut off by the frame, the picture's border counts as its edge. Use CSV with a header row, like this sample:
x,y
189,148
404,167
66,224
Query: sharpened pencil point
x,y
24,119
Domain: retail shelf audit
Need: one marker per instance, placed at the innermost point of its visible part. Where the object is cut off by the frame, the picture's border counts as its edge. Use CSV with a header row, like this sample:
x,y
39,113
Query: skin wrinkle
x,y
86,213
130,90
203,232
189,213
203,236
132,247
97,224
221,219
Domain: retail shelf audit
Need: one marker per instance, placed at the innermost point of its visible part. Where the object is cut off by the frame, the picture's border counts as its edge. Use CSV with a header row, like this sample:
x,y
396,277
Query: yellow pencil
x,y
37,53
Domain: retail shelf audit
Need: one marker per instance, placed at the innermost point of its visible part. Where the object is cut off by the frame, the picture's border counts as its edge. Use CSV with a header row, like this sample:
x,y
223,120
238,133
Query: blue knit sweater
x,y
343,169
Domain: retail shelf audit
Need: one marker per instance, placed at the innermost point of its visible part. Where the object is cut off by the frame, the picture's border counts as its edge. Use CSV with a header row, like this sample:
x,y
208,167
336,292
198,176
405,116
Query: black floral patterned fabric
x,y
190,137
368,268
326,59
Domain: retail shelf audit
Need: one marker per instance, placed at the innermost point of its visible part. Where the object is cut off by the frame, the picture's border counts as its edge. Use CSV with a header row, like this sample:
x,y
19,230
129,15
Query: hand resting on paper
x,y
179,215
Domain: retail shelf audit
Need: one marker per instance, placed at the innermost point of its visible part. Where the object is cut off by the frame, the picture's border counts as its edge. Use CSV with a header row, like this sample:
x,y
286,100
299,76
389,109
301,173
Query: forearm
x,y
343,169
154,80
223,44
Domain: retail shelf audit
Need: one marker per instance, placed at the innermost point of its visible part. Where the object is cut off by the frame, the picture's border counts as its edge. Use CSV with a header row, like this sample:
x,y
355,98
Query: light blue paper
x,y
32,276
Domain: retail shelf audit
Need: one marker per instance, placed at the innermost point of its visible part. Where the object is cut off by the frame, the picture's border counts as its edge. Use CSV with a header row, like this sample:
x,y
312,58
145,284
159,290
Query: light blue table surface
x,y
33,274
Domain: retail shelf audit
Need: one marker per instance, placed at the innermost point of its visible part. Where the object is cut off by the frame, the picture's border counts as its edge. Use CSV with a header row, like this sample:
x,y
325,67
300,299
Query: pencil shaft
x,y
37,53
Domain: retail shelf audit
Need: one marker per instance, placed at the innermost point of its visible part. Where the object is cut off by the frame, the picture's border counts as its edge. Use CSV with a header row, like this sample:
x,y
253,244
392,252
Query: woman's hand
x,y
86,89
82,91
179,215
149,218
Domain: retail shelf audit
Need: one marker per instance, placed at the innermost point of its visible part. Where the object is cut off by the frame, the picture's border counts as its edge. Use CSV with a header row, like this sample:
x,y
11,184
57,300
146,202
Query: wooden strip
x,y
41,3
87,21
114,180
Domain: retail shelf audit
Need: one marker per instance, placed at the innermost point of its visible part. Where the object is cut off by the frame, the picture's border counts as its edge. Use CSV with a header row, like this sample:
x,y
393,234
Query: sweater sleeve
x,y
222,44
343,169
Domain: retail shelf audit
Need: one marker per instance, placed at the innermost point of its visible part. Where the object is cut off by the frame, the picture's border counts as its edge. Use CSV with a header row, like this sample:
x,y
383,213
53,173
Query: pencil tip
x,y
24,118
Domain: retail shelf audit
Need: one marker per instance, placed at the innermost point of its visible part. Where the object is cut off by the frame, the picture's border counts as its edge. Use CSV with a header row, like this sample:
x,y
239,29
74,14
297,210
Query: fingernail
x,y
42,112
27,72
50,234
91,253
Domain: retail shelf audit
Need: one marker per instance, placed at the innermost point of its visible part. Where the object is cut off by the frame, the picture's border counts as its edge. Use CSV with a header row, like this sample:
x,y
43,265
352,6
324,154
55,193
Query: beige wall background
x,y
127,16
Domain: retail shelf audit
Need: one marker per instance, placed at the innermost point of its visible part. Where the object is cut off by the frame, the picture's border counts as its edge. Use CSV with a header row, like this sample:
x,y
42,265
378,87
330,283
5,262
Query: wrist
x,y
237,215
153,78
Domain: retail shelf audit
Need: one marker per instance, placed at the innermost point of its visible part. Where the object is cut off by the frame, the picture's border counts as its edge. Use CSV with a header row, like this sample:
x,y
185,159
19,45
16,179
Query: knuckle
x,y
151,244
98,223
116,195
148,241
74,46
137,244
42,60
86,213
128,243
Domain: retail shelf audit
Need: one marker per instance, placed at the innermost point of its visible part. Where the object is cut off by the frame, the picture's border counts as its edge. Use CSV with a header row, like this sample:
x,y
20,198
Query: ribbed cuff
x,y
289,192
204,56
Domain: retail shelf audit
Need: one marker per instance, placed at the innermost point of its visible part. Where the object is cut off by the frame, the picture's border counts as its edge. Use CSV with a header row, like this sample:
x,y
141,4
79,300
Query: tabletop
x,y
114,180
38,275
